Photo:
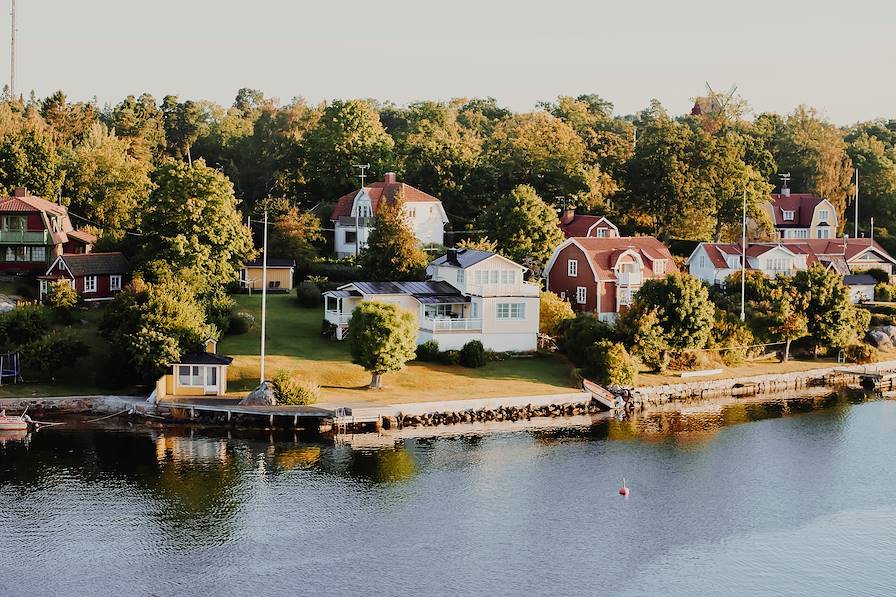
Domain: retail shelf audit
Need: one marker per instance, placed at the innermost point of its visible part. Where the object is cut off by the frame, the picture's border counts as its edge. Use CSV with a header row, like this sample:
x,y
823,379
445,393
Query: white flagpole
x,y
856,233
743,261
264,290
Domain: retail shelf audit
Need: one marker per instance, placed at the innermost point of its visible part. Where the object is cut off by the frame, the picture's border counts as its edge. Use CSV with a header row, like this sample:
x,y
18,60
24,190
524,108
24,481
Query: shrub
x,y
730,332
577,334
879,275
878,320
241,322
335,272
289,390
52,351
23,324
610,364
885,292
61,295
690,360
308,295
428,352
861,353
552,311
450,357
473,355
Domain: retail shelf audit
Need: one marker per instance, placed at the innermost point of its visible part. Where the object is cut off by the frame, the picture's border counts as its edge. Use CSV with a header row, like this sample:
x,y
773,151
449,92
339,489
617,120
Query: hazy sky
x,y
838,56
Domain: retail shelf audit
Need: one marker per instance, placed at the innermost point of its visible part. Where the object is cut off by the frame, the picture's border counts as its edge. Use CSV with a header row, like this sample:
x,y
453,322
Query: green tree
x,y
392,251
48,353
788,322
104,183
682,306
870,151
140,121
61,295
185,122
523,225
644,334
610,364
70,122
831,318
28,158
192,222
382,338
294,234
552,311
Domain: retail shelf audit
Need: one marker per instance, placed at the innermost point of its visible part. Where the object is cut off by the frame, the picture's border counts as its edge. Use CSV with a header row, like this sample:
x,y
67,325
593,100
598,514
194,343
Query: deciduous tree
x,y
523,225
393,251
382,338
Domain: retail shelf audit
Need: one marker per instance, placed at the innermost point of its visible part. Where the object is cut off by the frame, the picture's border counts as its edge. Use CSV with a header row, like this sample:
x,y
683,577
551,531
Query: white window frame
x,y
601,233
460,275
626,296
823,233
702,261
581,294
822,215
508,276
510,311
659,267
788,215
89,284
572,268
114,282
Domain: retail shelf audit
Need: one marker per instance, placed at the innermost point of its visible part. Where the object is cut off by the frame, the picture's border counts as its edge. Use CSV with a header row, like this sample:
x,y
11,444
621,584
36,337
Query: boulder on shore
x,y
879,338
889,330
263,395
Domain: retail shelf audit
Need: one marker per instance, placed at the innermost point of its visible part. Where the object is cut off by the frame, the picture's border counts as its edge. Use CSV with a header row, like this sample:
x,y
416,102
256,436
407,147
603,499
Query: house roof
x,y
91,264
83,236
581,224
859,280
462,257
30,203
417,289
204,358
801,204
272,262
834,253
376,191
604,253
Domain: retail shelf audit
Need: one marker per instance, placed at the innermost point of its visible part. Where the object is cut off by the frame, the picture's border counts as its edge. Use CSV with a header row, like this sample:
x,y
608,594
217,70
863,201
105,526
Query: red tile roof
x,y
377,191
603,253
83,236
580,225
801,204
816,250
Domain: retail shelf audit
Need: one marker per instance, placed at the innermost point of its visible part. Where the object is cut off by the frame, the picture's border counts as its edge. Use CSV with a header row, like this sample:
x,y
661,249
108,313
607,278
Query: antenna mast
x,y
12,54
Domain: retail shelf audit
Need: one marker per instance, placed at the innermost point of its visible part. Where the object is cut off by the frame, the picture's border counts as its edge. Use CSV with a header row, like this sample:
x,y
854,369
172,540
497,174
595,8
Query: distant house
x,y
196,374
354,215
801,216
576,225
602,275
472,295
95,276
714,262
281,273
861,287
34,231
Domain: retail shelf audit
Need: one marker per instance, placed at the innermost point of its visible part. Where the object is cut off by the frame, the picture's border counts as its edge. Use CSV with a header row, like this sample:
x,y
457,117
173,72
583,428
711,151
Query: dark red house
x,y
95,276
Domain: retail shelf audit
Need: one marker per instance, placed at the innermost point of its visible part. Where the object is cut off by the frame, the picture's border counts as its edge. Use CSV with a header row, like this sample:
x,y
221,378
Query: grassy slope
x,y
294,343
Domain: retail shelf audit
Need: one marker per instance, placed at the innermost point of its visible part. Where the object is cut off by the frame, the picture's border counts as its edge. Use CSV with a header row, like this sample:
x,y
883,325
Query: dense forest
x,y
675,176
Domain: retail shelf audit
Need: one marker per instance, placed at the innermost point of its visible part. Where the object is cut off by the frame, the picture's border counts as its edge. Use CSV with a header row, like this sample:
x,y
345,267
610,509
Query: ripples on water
x,y
800,505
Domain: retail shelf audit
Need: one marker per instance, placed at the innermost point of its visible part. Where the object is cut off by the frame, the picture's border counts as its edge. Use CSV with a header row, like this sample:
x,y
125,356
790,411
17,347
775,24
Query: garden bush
x,y
861,353
428,352
610,364
335,272
878,320
241,322
289,390
61,295
52,351
23,324
473,355
577,334
308,295
450,357
885,292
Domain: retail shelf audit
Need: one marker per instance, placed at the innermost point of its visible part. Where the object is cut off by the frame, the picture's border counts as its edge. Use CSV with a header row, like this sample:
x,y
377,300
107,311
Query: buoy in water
x,y
624,489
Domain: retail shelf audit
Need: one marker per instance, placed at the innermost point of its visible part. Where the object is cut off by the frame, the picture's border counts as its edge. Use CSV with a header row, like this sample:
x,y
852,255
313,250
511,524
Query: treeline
x,y
653,172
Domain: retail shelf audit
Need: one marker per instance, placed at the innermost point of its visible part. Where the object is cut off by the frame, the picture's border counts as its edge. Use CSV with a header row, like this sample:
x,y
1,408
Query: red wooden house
x,y
95,276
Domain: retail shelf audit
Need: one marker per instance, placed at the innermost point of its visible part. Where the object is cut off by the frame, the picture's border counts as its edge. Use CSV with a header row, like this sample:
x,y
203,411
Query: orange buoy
x,y
624,489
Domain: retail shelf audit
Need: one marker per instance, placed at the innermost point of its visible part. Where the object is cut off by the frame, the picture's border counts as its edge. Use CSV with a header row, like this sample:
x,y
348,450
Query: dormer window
x,y
822,215
659,267
788,215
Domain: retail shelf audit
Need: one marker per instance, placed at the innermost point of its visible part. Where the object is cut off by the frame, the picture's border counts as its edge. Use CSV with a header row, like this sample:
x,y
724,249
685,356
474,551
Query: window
x,y
197,376
350,237
460,276
508,276
777,264
563,295
44,287
659,267
89,283
581,295
788,215
363,211
474,310
511,310
493,276
38,253
412,212
601,233
13,223
273,283
822,233
822,215
625,296
703,261
572,268
114,282
433,311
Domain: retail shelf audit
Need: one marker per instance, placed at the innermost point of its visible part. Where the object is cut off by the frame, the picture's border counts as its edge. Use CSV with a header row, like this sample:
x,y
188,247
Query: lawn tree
x,y
788,322
822,297
552,311
61,295
523,225
645,336
191,221
382,338
185,122
684,311
393,251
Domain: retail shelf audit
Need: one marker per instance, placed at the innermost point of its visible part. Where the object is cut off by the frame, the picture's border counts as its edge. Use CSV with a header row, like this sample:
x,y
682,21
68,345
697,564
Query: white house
x,y
802,216
471,295
354,215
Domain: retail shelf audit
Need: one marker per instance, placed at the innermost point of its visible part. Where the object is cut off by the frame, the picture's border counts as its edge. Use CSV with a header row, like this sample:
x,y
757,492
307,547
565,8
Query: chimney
x,y
389,178
452,257
567,215
20,192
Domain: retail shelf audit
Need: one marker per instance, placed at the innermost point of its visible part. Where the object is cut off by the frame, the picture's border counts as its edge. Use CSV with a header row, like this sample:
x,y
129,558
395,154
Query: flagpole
x,y
743,261
264,290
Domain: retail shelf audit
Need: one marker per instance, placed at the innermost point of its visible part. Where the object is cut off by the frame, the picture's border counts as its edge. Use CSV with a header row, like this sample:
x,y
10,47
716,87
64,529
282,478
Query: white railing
x,y
451,325
629,278
337,317
519,289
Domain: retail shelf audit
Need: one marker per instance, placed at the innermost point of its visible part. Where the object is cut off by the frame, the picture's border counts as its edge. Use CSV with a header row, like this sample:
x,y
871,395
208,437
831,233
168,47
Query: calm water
x,y
785,498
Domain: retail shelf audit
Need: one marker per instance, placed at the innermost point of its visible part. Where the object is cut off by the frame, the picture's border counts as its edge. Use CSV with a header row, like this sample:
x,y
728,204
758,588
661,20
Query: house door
x,y
211,380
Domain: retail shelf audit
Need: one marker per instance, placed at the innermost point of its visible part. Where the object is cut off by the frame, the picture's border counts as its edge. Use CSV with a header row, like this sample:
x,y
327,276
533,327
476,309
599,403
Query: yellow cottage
x,y
280,275
196,374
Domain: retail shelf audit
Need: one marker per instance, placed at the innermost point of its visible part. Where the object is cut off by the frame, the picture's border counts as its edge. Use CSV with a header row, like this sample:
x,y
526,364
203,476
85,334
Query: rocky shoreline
x,y
502,413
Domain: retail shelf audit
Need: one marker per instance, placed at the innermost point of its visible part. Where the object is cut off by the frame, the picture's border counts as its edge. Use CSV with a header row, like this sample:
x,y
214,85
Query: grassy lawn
x,y
294,343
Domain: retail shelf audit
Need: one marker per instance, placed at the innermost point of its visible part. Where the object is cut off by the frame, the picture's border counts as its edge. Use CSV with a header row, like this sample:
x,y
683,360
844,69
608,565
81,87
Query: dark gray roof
x,y
204,358
272,262
92,264
859,280
442,299
462,257
342,293
416,289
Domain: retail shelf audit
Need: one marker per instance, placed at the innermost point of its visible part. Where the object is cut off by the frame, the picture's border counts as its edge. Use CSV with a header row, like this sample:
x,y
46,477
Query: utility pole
x,y
264,290
743,261
856,232
362,176
12,54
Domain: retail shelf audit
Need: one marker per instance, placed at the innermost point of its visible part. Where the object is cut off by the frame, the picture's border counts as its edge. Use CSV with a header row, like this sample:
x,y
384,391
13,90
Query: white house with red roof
x,y
802,216
576,225
355,213
602,275
714,262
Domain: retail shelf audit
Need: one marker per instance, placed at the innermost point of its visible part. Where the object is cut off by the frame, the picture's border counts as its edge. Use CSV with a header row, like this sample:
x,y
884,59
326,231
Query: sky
x,y
837,57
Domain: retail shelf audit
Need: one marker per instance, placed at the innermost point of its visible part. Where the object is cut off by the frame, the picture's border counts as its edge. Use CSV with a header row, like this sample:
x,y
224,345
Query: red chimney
x,y
389,178
20,192
567,215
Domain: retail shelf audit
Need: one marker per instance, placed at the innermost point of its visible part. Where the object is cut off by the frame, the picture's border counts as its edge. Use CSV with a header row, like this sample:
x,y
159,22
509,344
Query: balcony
x,y
24,237
629,278
519,289
337,317
447,324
